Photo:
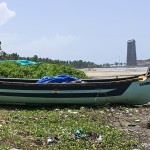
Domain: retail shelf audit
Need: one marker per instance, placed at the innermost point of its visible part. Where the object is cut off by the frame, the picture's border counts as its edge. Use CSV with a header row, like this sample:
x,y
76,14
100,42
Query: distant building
x,y
131,53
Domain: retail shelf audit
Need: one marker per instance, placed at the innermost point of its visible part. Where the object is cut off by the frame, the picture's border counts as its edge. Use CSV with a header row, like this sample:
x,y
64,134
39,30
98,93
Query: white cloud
x,y
5,13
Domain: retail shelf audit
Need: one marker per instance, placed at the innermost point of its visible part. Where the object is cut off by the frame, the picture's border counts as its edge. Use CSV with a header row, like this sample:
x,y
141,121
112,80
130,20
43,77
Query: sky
x,y
88,30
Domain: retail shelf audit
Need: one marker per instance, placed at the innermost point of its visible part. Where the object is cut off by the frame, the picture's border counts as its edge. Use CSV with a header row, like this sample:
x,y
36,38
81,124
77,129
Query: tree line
x,y
76,63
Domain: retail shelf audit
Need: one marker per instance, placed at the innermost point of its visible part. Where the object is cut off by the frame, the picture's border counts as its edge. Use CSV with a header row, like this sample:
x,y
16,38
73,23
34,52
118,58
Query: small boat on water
x,y
132,90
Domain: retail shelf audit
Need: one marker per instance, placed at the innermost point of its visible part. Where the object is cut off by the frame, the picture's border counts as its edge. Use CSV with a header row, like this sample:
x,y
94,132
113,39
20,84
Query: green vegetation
x,y
15,70
32,128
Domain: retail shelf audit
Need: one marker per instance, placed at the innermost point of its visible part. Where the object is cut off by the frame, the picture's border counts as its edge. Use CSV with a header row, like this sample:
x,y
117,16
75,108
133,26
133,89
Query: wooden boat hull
x,y
131,91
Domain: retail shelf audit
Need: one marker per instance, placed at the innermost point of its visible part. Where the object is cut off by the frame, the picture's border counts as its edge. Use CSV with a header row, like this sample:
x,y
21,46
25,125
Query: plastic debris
x,y
99,139
73,112
94,136
137,120
52,140
79,133
88,136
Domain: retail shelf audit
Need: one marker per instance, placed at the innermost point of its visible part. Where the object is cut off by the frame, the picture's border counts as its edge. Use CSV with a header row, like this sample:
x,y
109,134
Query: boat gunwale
x,y
100,82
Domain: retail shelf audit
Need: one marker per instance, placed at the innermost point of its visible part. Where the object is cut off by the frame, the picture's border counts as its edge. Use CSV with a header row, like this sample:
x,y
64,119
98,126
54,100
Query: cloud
x,y
5,13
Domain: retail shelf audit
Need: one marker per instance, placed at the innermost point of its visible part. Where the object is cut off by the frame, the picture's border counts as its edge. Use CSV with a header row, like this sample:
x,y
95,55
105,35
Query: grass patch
x,y
34,128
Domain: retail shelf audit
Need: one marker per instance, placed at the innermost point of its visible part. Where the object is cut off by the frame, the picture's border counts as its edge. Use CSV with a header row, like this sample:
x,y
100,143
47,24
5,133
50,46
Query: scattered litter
x,y
73,112
88,135
79,133
99,139
137,120
52,140
94,136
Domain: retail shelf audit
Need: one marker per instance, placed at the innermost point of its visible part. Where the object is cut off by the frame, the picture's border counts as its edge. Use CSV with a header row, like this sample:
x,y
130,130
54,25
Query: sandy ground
x,y
113,72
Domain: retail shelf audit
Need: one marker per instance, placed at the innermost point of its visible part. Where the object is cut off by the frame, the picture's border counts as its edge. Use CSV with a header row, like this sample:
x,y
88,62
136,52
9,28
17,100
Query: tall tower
x,y
131,53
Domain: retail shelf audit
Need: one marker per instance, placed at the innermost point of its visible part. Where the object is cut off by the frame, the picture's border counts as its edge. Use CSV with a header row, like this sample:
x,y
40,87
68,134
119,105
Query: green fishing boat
x,y
132,90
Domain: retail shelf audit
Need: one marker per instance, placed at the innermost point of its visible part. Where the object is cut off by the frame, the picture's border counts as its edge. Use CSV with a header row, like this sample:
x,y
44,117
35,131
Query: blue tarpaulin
x,y
27,62
22,62
57,79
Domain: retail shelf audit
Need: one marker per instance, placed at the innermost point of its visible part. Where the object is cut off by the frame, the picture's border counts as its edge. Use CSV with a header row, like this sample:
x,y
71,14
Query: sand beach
x,y
114,72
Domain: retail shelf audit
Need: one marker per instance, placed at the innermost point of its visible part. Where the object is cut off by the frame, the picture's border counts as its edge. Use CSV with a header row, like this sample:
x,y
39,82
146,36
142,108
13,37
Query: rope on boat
x,y
142,78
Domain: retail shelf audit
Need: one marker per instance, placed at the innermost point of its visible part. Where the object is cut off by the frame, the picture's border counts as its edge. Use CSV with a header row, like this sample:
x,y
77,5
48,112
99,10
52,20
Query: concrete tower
x,y
131,53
